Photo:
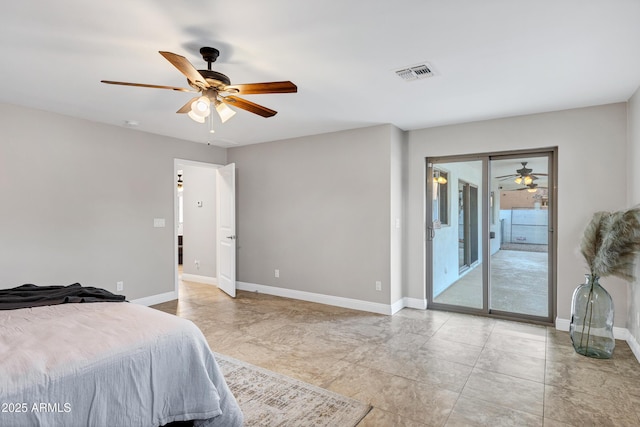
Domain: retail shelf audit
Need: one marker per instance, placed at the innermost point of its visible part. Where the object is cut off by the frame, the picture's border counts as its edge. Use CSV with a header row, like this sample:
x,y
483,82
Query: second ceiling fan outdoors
x,y
526,177
216,90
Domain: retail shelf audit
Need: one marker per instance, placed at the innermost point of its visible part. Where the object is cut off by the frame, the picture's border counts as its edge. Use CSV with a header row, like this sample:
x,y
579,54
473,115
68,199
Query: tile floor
x,y
422,368
519,284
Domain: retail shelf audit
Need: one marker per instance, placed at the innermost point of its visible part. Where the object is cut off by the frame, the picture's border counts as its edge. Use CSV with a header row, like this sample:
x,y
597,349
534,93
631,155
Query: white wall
x,y
79,200
199,229
633,166
592,155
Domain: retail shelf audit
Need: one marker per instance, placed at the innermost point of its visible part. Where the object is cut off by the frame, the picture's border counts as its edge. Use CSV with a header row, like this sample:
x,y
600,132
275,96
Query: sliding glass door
x,y
456,241
490,245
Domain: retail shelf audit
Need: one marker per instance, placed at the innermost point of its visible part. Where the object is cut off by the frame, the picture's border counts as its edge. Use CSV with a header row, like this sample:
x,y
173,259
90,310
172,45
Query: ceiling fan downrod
x,y
209,54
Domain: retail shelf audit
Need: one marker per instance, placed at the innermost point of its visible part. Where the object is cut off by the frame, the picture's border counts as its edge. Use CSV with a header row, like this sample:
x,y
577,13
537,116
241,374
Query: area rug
x,y
271,399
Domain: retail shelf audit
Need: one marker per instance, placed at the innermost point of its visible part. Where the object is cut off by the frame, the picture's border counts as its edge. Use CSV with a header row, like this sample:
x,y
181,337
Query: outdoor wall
x,y
445,241
79,202
494,212
591,145
525,226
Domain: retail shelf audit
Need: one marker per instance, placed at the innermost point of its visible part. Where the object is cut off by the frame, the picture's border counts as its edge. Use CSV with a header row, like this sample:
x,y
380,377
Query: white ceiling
x,y
492,58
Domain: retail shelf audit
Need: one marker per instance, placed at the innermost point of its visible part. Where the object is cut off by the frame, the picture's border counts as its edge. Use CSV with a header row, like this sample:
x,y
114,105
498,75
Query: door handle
x,y
431,232
231,237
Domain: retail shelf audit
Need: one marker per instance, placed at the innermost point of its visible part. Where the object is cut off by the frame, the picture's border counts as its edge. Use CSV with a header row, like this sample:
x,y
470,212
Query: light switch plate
x,y
158,222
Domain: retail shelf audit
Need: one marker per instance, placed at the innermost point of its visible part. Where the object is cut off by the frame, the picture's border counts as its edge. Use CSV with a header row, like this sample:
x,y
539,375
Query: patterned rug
x,y
270,399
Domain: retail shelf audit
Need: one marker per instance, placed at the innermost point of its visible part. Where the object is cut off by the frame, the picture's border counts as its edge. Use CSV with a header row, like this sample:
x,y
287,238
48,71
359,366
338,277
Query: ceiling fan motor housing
x,y
214,78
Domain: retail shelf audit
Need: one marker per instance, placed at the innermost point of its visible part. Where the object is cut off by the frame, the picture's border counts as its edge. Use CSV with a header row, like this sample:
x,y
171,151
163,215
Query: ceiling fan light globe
x,y
200,107
518,180
528,180
224,111
195,117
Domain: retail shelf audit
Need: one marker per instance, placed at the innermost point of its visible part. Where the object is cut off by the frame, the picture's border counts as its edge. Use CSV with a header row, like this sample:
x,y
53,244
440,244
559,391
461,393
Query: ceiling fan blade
x,y
187,107
185,67
181,89
249,106
260,88
529,188
506,176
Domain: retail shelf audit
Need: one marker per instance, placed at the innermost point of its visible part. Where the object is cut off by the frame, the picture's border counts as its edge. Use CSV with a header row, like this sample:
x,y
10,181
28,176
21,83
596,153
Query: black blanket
x,y
35,296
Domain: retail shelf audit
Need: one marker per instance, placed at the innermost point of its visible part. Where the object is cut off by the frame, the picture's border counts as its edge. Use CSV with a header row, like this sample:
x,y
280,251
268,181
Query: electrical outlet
x,y
276,273
119,286
378,285
197,263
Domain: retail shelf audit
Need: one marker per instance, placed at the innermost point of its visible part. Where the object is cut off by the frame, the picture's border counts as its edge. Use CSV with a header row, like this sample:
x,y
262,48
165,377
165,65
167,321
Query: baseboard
x,y
199,279
397,306
618,333
319,298
408,303
635,347
156,299
420,304
562,324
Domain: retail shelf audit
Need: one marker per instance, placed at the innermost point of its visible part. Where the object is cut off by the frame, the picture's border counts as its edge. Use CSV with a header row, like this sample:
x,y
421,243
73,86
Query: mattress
x,y
108,364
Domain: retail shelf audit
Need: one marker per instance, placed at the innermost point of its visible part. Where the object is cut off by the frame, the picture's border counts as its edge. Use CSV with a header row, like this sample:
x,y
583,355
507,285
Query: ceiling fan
x,y
215,89
523,175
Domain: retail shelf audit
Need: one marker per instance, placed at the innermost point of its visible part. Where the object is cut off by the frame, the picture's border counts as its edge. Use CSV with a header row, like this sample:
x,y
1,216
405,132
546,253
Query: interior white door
x,y
226,228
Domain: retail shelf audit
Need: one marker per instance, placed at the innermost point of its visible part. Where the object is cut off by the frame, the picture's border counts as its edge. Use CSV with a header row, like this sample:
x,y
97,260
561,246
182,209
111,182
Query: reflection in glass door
x,y
519,274
455,243
490,243
467,225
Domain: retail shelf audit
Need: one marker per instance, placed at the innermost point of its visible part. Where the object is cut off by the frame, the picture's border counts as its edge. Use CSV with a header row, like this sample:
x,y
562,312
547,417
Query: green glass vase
x,y
591,327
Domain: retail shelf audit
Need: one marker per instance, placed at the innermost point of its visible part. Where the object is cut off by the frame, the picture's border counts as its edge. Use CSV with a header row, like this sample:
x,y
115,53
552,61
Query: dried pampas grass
x,y
611,242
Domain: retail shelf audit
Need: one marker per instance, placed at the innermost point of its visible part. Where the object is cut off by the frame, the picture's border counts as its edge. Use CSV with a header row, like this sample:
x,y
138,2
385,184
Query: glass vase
x,y
591,327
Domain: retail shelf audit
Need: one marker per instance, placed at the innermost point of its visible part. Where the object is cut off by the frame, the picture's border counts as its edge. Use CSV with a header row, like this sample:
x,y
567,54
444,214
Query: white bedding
x,y
108,364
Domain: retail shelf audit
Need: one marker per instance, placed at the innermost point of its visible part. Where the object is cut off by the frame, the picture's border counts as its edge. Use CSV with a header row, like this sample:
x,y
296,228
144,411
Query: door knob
x,y
231,237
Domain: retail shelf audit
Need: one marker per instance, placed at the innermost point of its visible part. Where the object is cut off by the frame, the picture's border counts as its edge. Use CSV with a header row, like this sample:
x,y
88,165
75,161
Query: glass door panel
x,y
456,233
489,241
519,274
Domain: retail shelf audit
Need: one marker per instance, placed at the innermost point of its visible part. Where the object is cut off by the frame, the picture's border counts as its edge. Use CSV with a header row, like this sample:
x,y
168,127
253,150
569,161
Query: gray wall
x,y
79,199
398,200
592,164
318,209
633,162
199,241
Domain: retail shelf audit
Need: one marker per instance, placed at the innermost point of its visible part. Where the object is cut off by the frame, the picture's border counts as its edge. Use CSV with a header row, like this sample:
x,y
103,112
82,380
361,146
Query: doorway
x,y
492,251
204,212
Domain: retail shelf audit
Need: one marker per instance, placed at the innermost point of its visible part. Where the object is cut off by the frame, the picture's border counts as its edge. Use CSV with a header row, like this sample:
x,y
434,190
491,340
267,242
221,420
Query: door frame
x,y
430,162
177,163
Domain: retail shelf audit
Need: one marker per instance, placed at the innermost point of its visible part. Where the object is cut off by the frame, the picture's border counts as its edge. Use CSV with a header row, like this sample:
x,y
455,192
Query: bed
x,y
108,364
